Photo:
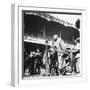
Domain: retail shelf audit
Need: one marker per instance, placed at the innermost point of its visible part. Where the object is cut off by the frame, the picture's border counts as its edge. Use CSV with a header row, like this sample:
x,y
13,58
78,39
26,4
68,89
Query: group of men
x,y
56,60
66,57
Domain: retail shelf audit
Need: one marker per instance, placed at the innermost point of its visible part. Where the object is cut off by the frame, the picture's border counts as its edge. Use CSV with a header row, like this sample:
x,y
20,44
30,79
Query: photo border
x,y
16,52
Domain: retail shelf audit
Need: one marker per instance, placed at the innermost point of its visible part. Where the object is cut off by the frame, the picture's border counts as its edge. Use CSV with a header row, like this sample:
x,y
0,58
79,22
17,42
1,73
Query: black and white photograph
x,y
51,44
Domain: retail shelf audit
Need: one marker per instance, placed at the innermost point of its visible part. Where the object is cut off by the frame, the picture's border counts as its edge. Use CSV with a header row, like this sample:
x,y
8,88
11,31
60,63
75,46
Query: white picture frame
x,y
16,52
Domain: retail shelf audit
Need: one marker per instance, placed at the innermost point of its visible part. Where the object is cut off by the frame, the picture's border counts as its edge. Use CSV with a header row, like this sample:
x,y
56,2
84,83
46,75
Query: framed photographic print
x,y
47,45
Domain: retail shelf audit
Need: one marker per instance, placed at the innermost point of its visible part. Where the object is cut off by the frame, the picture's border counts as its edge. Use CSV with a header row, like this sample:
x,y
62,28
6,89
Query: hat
x,y
55,36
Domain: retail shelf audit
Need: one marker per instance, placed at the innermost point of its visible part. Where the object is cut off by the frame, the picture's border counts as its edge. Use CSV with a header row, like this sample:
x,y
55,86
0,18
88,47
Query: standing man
x,y
57,41
38,61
